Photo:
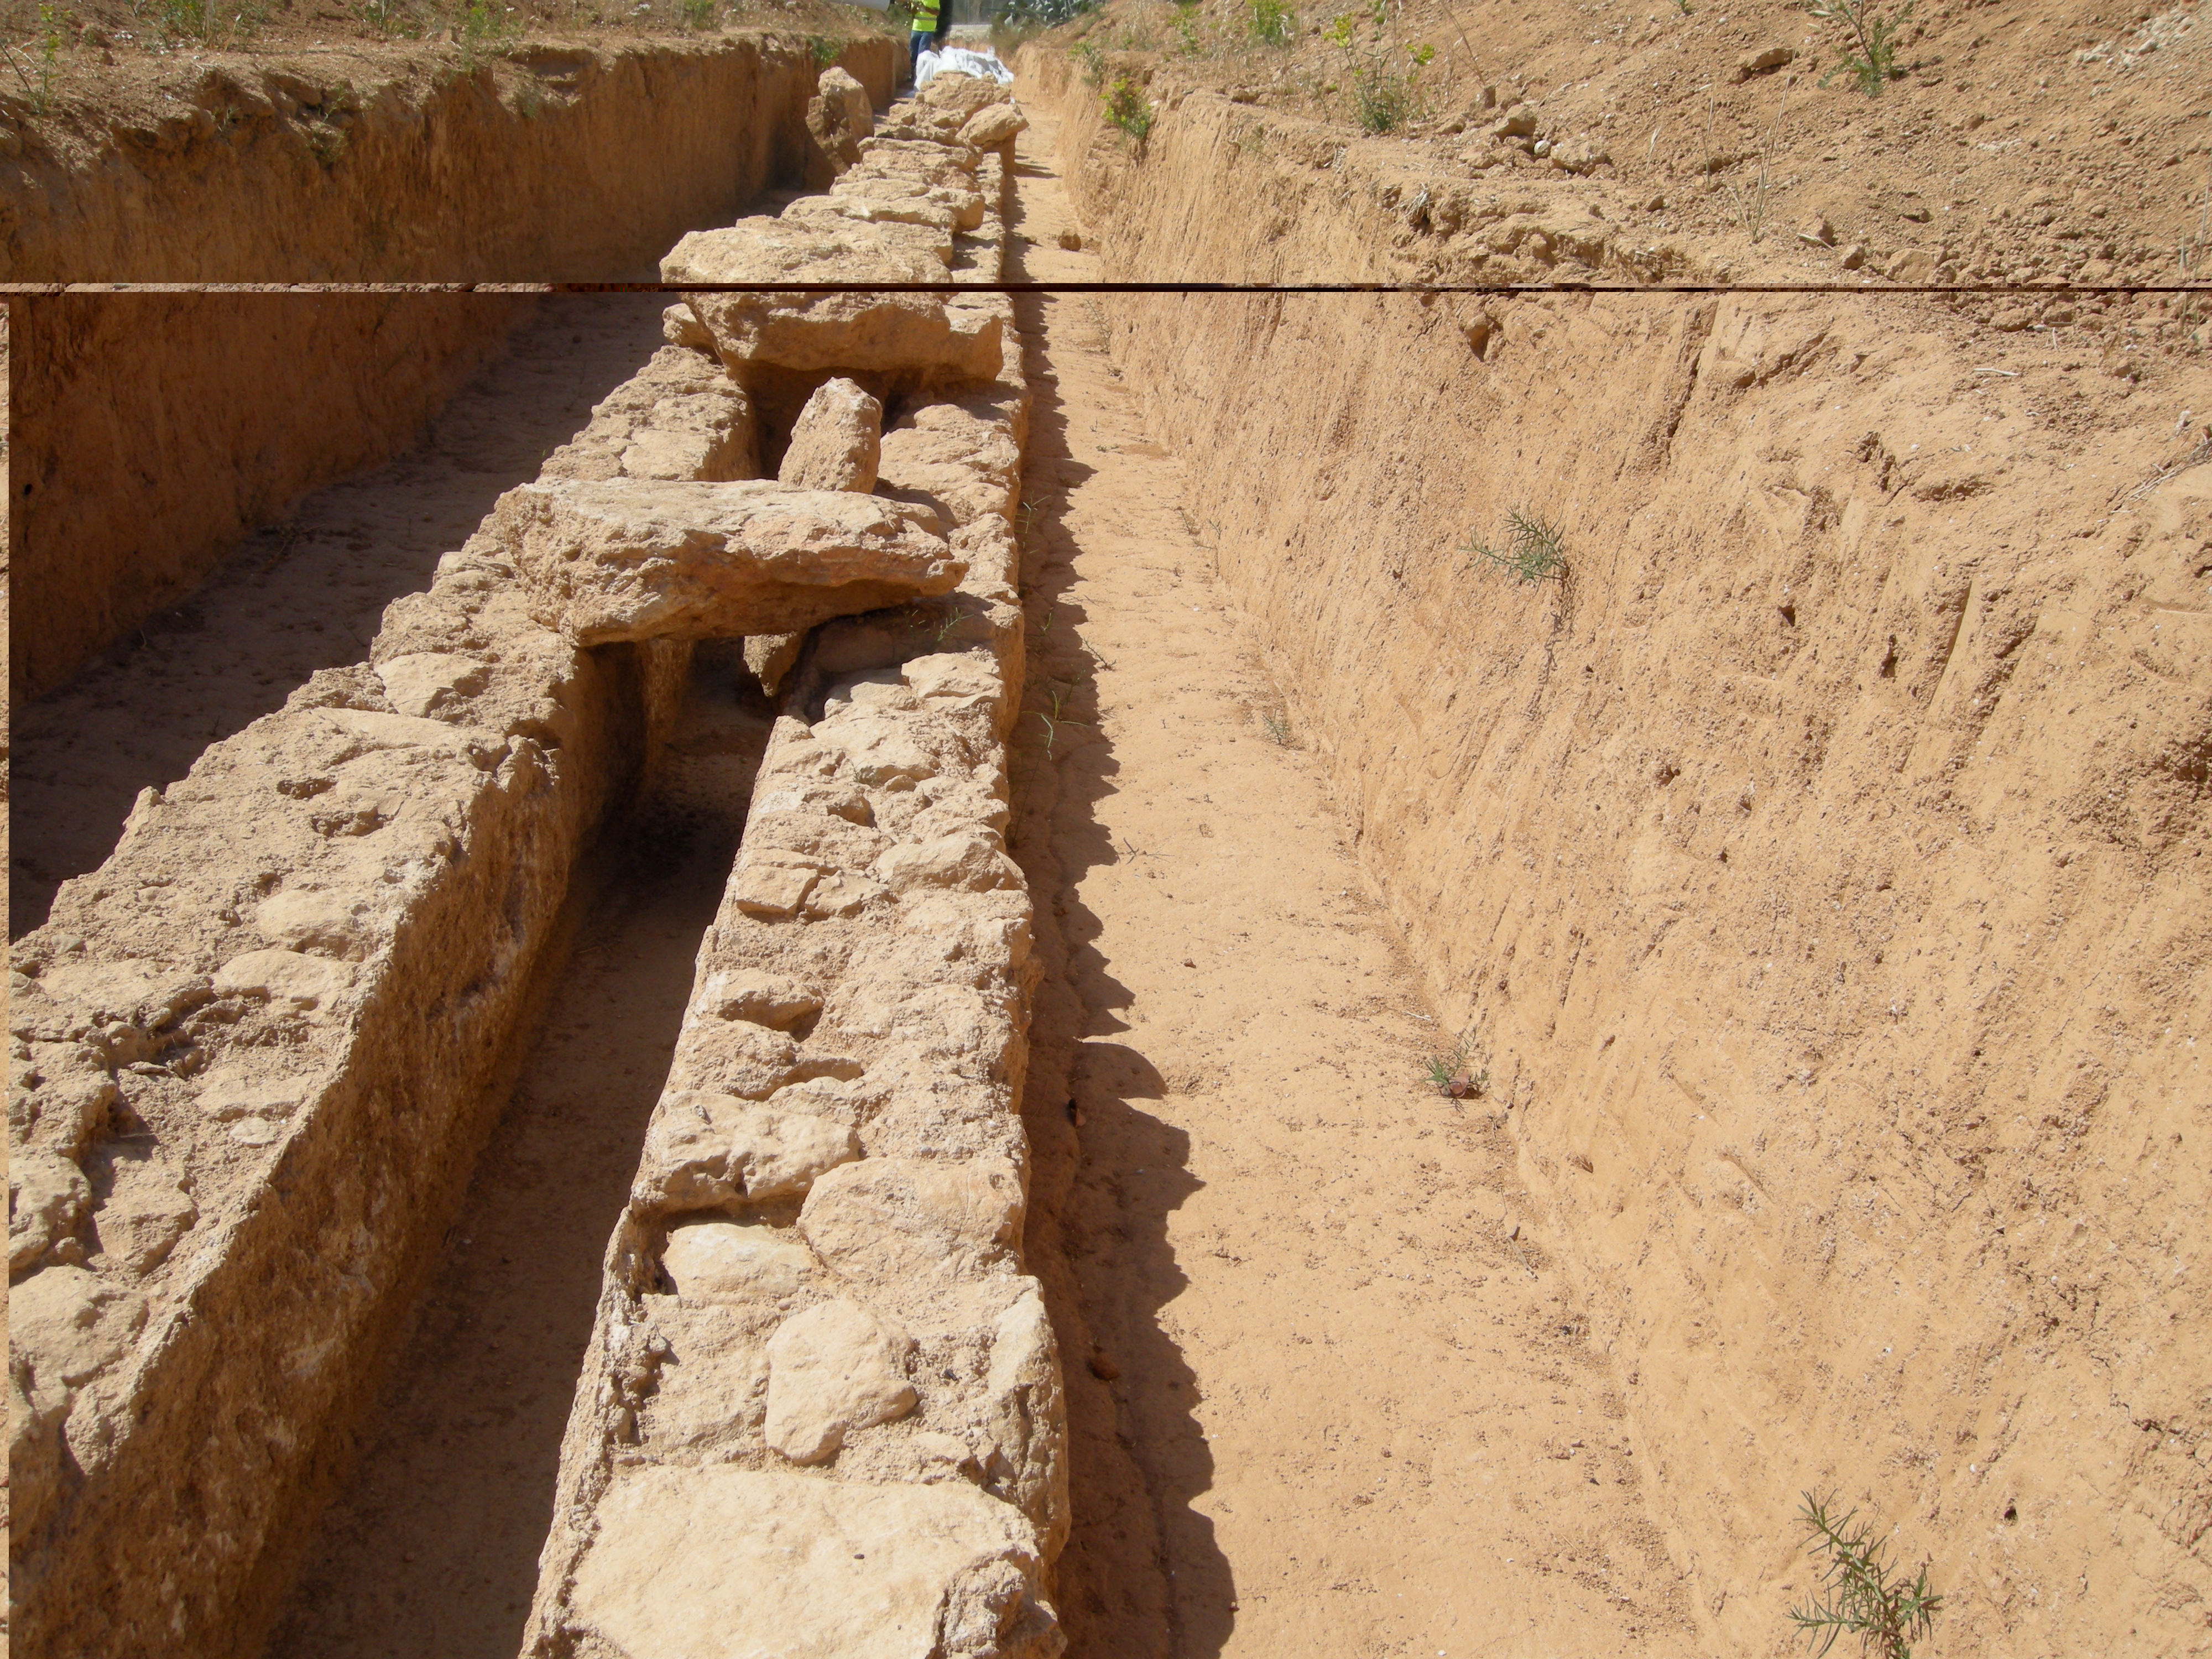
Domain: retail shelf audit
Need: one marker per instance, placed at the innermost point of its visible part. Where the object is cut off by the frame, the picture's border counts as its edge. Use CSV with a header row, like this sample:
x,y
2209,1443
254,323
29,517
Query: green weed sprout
x,y
1874,64
1857,1596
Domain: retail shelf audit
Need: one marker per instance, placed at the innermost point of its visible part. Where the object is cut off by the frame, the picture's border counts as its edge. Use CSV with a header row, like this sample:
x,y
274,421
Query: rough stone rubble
x,y
823,1399
253,1052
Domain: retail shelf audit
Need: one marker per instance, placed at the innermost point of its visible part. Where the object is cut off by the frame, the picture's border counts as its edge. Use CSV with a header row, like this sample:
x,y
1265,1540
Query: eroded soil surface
x,y
1323,1399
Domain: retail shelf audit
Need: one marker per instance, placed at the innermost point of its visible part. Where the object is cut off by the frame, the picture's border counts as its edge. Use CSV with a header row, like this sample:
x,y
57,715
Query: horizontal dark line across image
x,y
40,290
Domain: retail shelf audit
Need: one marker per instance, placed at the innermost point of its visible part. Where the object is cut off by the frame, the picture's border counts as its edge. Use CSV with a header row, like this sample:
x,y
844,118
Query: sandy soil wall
x,y
157,428
253,1058
1816,866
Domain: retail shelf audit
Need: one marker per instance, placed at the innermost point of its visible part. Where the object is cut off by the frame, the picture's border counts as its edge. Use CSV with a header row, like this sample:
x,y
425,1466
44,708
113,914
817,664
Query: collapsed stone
x,y
885,331
636,559
837,118
838,440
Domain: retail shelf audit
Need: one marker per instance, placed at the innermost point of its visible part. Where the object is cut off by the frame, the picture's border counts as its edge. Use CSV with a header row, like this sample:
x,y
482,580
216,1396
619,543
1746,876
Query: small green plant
x,y
1382,99
1187,19
50,37
387,17
1873,66
1127,108
1532,549
1278,728
1272,23
1385,95
1053,721
1087,53
481,24
38,93
1857,1596
697,14
1454,1072
826,50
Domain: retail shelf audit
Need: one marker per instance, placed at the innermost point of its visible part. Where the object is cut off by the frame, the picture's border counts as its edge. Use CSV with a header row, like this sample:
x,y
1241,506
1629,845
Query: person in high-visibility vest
x,y
929,24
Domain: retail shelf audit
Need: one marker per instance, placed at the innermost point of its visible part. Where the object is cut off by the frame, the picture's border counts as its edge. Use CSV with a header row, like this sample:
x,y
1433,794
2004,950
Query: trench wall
x,y
254,1056
1817,865
156,428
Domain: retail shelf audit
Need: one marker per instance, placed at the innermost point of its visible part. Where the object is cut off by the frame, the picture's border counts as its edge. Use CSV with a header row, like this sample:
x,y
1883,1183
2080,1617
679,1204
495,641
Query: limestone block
x,y
914,224
772,890
243,1089
849,99
765,998
969,860
730,1562
680,328
730,1259
836,439
840,895
71,1325
149,1211
35,1414
965,94
833,1369
424,682
629,559
1026,1415
838,116
882,332
314,923
887,1219
882,748
47,1199
706,1149
771,656
306,984
994,123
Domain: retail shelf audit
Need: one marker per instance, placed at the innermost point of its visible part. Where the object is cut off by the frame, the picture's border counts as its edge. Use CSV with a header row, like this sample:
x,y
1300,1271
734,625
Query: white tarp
x,y
984,65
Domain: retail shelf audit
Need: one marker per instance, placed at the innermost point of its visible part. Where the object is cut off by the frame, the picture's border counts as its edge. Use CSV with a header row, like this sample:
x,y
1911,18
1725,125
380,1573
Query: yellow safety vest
x,y
925,16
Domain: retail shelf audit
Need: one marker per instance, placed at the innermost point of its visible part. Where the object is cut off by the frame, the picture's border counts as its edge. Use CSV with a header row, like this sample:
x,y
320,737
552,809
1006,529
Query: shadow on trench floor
x,y
1141,1573
431,1547
300,595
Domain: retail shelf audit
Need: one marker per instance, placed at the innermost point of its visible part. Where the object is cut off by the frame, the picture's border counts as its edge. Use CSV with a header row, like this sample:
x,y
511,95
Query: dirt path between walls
x,y
1323,1399
302,595
432,1546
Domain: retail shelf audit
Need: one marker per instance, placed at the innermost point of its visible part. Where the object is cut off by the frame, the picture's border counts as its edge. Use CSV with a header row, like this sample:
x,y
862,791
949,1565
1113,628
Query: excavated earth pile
x,y
255,1049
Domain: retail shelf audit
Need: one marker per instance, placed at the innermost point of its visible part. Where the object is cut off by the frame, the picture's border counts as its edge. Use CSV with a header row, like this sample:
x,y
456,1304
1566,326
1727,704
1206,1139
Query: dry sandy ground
x,y
303,595
1332,1405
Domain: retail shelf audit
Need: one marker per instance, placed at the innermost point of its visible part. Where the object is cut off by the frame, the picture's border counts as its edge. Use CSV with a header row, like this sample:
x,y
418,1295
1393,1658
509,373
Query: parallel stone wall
x,y
823,1401
255,1054
257,1051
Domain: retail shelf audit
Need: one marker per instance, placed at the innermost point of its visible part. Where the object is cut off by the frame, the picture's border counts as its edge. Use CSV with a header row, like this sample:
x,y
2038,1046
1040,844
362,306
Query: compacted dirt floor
x,y
1324,1399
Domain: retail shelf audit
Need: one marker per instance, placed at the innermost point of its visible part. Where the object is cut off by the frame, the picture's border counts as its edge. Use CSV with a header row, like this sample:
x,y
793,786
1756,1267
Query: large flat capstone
x,y
640,558
877,331
728,1563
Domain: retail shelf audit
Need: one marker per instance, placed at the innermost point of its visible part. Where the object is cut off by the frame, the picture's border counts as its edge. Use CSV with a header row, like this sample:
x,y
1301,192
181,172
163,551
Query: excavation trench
x,y
620,1193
